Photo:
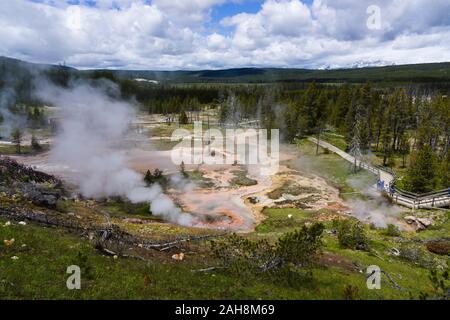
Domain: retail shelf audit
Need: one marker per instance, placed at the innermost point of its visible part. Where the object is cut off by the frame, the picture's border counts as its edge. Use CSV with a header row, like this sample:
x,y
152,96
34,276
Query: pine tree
x,y
183,118
266,106
404,147
363,116
421,175
148,178
445,172
35,144
291,121
308,111
340,109
355,146
385,137
183,170
16,136
350,118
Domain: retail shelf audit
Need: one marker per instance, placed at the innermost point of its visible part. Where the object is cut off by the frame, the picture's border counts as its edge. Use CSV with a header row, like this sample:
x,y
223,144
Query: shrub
x,y
62,206
16,138
155,177
293,250
241,179
392,230
183,170
350,292
240,254
35,144
415,254
351,234
441,285
183,118
83,262
300,246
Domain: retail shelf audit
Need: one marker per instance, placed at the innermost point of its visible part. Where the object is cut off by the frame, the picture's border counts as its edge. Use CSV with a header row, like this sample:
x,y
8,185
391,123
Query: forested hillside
x,y
404,127
430,72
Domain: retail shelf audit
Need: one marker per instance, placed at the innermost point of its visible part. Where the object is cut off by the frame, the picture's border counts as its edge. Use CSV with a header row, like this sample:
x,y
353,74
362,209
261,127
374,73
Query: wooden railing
x,y
440,198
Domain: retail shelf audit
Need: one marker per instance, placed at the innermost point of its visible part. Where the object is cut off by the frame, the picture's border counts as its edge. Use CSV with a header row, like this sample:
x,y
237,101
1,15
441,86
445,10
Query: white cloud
x,y
216,41
187,13
174,34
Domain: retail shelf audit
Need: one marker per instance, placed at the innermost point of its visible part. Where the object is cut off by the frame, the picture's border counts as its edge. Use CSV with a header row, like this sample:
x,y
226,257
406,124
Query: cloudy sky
x,y
204,34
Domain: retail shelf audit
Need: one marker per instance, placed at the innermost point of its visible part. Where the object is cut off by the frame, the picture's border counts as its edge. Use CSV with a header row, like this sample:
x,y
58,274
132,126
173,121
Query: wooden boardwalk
x,y
386,183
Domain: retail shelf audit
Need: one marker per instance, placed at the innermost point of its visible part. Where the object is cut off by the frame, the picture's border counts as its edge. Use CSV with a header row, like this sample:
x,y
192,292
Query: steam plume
x,y
91,122
374,208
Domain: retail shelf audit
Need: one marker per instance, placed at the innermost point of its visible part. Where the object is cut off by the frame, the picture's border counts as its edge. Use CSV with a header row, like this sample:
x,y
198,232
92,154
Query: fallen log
x,y
117,254
396,285
207,269
163,246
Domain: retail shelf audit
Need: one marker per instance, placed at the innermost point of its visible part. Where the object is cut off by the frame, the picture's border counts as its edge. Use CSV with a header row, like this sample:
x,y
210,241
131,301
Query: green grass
x,y
126,208
167,130
164,144
290,188
330,166
277,221
200,180
335,139
40,273
440,227
11,149
25,150
241,179
410,274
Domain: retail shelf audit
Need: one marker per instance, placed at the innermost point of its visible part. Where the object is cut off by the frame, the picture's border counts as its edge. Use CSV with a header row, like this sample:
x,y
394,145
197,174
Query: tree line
x,y
393,123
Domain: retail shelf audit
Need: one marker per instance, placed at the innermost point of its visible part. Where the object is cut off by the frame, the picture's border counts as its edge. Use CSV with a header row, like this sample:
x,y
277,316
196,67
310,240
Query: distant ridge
x,y
418,73
6,61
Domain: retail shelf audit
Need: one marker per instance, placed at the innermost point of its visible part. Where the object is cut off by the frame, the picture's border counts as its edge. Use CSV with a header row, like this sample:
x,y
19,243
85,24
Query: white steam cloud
x,y
374,209
91,122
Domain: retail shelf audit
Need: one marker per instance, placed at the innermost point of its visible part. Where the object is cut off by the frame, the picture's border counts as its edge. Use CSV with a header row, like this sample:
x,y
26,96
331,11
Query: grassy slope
x,y
40,272
408,274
